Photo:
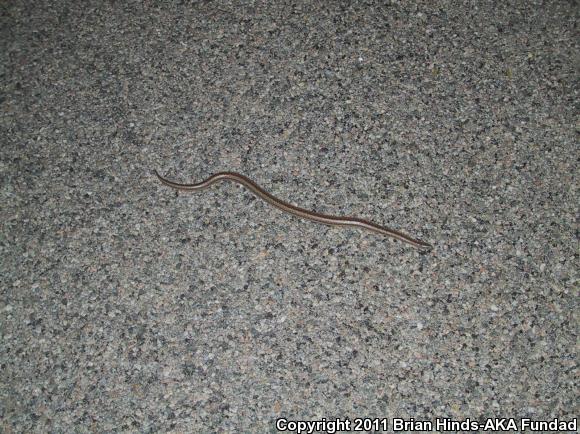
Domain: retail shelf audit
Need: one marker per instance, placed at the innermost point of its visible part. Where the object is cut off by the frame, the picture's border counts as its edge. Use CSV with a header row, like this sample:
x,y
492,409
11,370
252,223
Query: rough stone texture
x,y
128,307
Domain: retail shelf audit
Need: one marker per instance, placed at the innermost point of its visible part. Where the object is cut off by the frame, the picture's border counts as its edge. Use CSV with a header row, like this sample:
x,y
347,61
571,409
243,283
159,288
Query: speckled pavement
x,y
128,307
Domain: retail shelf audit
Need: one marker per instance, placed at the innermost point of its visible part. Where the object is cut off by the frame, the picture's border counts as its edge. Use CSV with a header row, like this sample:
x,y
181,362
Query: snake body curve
x,y
294,210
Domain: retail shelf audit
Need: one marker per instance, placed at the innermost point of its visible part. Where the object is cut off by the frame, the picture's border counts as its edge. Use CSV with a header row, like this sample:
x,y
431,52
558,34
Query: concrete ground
x,y
128,307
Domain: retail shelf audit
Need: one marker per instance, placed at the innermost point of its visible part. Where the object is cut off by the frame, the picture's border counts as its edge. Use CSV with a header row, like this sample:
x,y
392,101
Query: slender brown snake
x,y
291,209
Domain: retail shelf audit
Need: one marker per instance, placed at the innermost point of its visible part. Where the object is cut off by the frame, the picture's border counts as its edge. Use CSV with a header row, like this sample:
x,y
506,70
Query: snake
x,y
294,210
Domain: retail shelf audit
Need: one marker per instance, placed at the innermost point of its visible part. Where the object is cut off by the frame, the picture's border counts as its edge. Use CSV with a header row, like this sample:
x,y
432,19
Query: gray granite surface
x,y
128,307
